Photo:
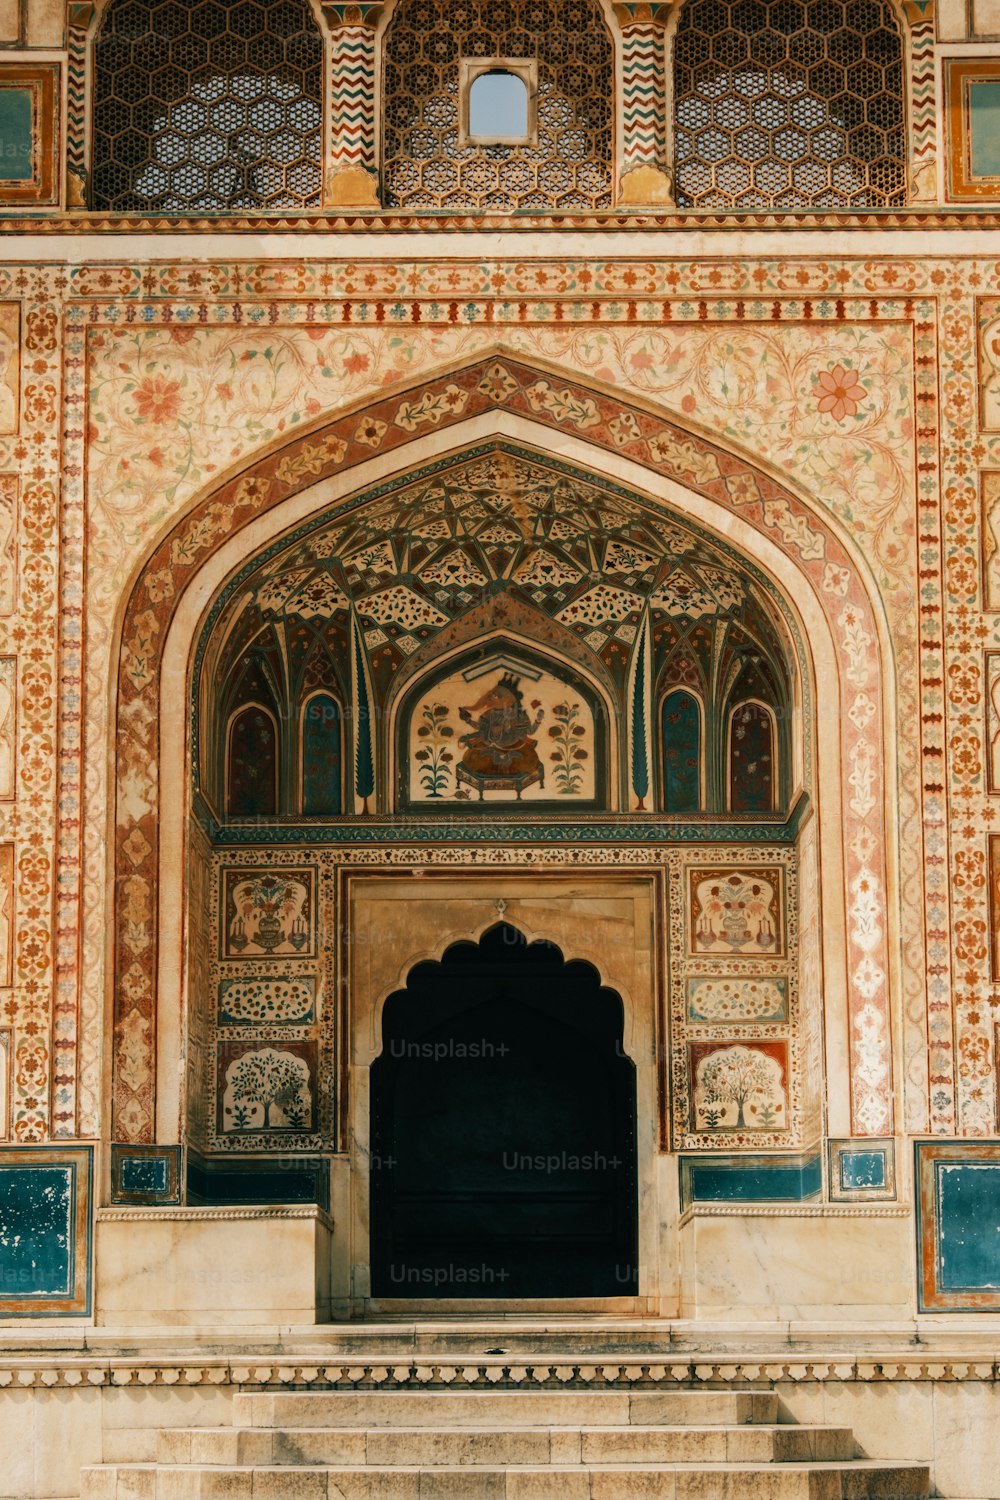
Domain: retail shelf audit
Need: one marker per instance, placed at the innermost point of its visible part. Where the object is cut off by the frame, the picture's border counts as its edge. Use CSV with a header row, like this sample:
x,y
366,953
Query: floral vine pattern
x,y
569,754
258,351
435,755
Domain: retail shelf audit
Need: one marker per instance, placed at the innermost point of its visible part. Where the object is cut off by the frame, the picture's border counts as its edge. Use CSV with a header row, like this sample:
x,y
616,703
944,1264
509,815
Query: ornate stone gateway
x,y
503,1130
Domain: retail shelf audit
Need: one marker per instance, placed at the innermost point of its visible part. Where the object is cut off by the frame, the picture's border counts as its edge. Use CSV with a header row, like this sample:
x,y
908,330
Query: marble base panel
x,y
229,1267
787,1266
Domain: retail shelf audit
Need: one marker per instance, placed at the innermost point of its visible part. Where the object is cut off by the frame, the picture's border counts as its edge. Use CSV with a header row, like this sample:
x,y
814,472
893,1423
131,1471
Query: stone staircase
x,y
505,1444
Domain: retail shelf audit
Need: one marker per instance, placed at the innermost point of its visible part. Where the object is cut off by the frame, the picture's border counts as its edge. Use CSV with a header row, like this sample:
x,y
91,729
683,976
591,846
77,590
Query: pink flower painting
x,y
840,392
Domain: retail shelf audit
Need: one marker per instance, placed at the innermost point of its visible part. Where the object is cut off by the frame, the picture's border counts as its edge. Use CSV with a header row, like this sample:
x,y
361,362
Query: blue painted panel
x,y
862,1169
145,1174
754,1180
968,1225
37,1231
16,153
321,758
681,754
984,127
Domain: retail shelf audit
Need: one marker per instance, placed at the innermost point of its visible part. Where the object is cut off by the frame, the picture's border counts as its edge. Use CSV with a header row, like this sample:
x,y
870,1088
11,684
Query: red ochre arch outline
x,y
563,403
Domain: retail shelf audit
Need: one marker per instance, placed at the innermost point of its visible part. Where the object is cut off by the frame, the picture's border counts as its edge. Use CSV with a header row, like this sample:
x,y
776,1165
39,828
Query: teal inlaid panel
x,y
36,1231
984,127
16,155
145,1174
750,1179
958,1224
968,1226
45,1236
862,1169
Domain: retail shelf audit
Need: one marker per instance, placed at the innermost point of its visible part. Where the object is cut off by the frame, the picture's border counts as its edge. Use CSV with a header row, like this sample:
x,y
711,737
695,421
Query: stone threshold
x,y
934,1336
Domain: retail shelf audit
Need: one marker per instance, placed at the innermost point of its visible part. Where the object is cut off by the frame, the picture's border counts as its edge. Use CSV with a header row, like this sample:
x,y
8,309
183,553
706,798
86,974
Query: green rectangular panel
x,y
984,127
16,156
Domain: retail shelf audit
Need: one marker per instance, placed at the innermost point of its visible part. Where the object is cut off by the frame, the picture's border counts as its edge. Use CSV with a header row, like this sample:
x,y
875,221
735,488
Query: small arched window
x,y
682,754
788,104
752,759
322,757
438,53
202,106
252,764
498,106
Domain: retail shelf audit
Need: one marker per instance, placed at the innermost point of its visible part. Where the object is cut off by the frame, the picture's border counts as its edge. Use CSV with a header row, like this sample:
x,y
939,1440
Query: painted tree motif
x,y
568,753
268,1080
434,755
640,762
737,1076
364,758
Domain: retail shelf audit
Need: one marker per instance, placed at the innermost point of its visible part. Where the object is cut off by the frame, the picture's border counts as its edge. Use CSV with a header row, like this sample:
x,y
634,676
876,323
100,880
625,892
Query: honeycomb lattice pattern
x,y
570,165
202,107
788,104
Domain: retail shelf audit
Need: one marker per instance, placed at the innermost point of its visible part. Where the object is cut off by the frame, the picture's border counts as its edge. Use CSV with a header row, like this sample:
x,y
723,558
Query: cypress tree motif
x,y
364,760
640,761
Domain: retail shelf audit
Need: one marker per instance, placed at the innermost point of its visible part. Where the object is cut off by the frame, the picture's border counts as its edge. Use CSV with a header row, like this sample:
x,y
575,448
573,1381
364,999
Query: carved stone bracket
x,y
630,14
79,14
364,14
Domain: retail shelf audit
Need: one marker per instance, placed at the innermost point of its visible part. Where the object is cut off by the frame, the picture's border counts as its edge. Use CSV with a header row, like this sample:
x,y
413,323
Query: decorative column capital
x,y
368,13
632,13
79,14
919,12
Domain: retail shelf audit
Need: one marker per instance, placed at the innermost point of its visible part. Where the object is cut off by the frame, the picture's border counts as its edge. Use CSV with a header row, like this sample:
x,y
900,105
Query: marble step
x,y
492,1446
443,1408
857,1480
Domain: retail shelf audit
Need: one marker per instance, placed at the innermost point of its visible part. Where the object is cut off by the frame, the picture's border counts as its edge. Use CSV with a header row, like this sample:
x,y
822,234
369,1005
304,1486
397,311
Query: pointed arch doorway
x,y
503,1130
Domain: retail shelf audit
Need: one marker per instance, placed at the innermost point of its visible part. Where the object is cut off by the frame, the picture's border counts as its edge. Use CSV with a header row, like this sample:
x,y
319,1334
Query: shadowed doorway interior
x,y
503,1130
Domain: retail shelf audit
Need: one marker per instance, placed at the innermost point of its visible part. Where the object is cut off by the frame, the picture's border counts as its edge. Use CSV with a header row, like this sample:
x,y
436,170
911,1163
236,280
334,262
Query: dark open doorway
x,y
503,1130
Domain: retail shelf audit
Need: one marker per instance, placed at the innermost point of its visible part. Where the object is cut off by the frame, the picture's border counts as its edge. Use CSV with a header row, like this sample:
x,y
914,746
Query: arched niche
x,y
681,744
271,510
321,755
502,723
251,786
499,1057
560,586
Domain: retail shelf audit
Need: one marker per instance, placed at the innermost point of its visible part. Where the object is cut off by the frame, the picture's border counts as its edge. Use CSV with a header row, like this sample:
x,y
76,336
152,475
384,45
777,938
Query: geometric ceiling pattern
x,y
502,524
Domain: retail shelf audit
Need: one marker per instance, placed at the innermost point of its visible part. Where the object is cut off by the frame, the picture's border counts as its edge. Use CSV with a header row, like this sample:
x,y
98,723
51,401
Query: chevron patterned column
x,y
352,170
79,17
923,186
645,170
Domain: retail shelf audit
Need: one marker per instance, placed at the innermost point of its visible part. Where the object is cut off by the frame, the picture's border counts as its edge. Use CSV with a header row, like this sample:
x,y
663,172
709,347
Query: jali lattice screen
x,y
788,105
207,108
570,163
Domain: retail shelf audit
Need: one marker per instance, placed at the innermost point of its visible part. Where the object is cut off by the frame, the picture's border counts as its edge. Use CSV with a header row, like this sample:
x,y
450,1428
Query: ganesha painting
x,y
512,733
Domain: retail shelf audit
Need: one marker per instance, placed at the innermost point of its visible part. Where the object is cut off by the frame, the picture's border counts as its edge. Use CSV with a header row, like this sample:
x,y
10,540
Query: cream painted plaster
x,y
986,18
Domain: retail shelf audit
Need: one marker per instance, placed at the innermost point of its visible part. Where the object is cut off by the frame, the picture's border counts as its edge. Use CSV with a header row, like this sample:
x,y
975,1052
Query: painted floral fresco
x,y
736,912
270,914
10,365
739,1087
176,391
265,1088
739,377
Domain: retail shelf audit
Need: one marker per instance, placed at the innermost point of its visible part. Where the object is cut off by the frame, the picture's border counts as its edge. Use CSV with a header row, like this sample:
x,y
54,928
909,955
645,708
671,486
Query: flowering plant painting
x,y
840,392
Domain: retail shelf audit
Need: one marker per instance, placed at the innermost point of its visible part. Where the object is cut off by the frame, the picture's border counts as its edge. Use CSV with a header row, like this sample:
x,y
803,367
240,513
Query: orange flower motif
x,y
157,400
841,392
